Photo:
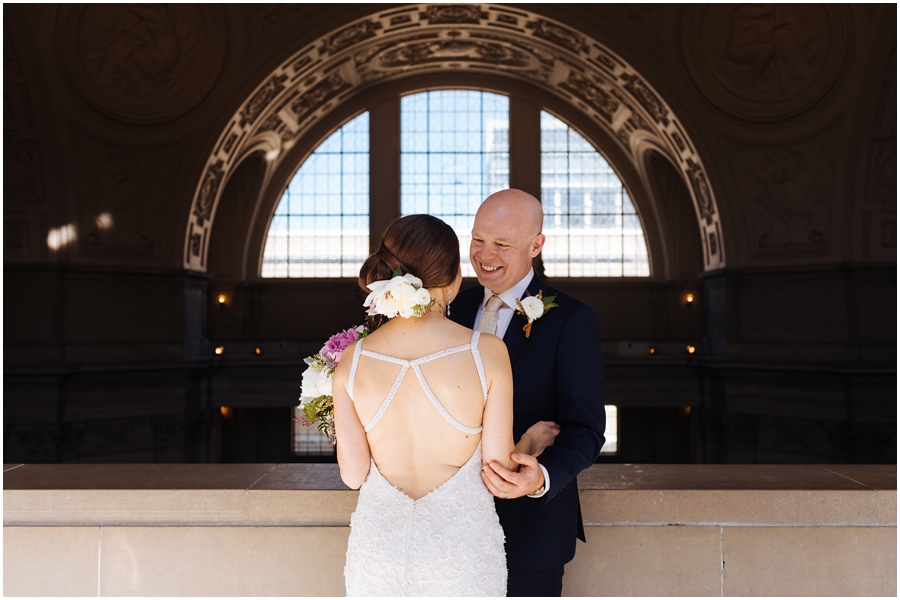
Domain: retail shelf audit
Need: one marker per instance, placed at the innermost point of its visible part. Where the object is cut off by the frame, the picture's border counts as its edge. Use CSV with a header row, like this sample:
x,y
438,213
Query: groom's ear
x,y
537,245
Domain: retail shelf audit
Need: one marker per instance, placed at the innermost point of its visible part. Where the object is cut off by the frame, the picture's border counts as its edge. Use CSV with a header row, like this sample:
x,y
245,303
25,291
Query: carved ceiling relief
x,y
144,63
23,183
436,38
764,61
880,224
792,194
117,209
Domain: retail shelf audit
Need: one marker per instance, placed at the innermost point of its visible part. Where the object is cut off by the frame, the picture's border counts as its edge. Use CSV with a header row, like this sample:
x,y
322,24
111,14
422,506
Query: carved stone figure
x,y
145,62
764,60
791,201
117,203
22,179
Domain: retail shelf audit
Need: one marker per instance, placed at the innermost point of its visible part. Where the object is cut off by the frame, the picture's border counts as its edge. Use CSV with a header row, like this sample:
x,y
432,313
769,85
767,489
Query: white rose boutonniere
x,y
533,308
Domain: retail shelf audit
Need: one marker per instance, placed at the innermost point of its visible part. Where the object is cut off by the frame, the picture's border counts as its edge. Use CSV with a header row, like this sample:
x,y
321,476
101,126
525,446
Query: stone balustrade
x,y
281,530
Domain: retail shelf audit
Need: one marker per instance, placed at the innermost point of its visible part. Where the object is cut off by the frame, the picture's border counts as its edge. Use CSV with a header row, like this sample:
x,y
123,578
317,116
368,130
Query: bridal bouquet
x,y
316,401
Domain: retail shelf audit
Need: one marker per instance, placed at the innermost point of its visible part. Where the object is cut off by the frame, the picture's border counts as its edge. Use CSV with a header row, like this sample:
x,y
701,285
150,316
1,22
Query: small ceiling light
x,y
652,350
272,154
220,349
691,349
258,350
686,410
689,298
222,299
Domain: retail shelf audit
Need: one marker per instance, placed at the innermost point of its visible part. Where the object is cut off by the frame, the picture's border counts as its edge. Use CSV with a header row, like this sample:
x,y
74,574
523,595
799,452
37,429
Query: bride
x,y
422,405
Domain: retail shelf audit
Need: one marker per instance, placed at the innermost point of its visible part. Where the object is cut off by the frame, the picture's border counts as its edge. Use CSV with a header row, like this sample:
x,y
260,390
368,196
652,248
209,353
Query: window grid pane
x,y
321,224
591,224
454,154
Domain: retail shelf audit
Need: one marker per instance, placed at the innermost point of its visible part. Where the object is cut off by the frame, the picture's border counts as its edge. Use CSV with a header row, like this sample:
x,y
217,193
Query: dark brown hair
x,y
419,244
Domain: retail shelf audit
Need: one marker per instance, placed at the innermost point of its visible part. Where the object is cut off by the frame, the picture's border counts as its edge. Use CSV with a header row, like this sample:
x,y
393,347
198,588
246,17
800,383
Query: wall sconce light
x,y
689,299
225,410
686,411
258,350
652,350
220,349
222,299
691,349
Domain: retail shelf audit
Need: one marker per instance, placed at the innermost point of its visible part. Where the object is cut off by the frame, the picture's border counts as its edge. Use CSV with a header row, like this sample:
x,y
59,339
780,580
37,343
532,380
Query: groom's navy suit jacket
x,y
558,375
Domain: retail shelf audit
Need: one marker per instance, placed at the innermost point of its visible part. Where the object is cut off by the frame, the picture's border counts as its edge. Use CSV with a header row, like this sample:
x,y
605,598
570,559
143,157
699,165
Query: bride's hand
x,y
538,437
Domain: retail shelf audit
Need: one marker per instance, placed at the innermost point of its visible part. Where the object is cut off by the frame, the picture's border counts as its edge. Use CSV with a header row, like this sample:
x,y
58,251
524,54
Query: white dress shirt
x,y
504,317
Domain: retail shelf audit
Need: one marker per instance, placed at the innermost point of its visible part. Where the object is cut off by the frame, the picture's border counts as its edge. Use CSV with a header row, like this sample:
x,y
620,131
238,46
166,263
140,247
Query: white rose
x,y
413,280
423,297
316,382
533,307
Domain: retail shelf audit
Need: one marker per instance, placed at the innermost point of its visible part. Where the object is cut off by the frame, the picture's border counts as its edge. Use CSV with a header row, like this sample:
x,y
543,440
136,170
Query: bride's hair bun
x,y
419,244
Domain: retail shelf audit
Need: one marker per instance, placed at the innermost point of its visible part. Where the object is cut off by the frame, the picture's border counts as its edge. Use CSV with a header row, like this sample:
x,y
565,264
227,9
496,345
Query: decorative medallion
x,y
453,14
208,193
143,63
764,60
558,35
348,37
591,93
261,99
701,190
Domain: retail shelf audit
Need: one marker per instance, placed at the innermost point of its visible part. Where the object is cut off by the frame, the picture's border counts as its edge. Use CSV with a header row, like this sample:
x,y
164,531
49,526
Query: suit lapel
x,y
515,334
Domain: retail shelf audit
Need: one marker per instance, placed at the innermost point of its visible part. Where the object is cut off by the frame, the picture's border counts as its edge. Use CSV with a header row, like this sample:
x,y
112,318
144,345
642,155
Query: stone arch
x,y
422,39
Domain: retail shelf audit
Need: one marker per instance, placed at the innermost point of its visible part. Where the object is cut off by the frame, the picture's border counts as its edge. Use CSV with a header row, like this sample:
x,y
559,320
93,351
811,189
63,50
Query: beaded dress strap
x,y
478,364
353,367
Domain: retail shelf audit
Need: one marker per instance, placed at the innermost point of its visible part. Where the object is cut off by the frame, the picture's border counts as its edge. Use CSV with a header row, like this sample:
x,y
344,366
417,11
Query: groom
x,y
557,376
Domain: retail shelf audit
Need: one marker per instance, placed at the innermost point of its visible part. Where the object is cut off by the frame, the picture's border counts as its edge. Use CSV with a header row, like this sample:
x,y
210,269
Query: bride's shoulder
x,y
490,346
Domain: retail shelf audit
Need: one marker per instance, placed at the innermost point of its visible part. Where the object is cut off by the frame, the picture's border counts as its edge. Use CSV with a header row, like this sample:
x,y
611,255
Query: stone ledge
x,y
313,495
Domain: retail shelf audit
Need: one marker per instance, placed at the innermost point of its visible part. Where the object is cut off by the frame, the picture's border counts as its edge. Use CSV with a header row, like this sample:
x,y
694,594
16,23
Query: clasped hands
x,y
507,484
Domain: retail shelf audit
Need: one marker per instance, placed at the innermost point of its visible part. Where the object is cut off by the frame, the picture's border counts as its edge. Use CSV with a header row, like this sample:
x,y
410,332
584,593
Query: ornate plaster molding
x,y
764,62
143,63
476,38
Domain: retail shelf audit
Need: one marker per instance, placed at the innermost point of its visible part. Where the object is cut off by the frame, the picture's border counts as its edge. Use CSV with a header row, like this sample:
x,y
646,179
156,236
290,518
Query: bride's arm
x,y
353,452
497,435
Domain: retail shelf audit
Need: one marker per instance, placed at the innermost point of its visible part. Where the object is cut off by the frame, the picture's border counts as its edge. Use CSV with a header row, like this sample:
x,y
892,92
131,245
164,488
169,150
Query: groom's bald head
x,y
506,236
519,211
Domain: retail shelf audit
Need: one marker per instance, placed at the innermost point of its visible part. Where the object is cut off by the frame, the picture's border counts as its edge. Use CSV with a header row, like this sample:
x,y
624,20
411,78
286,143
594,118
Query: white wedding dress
x,y
447,543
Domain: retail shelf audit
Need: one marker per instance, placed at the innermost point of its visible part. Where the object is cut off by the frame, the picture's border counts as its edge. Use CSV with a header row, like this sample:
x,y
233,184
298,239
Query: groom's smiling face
x,y
506,237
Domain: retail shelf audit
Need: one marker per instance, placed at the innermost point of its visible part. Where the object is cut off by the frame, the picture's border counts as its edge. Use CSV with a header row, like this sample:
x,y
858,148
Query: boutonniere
x,y
533,308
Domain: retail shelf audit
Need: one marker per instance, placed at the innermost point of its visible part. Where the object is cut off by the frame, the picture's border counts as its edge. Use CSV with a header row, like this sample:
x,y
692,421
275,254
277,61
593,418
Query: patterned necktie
x,y
489,318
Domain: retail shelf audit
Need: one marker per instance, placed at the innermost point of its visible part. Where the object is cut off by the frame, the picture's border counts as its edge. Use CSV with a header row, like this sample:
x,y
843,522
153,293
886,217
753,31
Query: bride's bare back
x,y
414,446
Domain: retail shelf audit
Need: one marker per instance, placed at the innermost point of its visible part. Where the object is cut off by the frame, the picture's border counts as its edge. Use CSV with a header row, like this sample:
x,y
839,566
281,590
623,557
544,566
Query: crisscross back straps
x,y
478,364
406,364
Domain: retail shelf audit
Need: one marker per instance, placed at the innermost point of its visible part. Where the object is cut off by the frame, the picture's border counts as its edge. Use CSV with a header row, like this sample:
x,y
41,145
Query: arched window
x,y
454,152
321,224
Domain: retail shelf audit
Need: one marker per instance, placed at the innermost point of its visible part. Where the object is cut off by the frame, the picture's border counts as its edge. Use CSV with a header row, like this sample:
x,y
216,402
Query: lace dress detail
x,y
447,543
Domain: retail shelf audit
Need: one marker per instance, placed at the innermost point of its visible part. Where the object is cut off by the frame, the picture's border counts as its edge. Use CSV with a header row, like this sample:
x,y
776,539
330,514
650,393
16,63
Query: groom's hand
x,y
507,484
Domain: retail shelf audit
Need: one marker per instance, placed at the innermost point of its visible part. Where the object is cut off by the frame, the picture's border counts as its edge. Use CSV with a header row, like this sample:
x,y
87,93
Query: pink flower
x,y
336,344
